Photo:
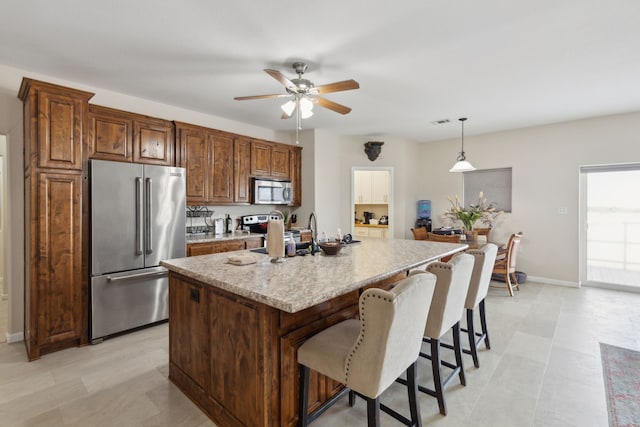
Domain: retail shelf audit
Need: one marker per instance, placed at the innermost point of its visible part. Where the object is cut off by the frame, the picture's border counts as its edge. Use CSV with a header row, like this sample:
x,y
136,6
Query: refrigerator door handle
x,y
139,229
137,276
149,209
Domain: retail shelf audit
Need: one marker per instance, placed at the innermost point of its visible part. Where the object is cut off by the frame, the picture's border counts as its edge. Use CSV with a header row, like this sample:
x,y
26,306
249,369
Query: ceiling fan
x,y
303,94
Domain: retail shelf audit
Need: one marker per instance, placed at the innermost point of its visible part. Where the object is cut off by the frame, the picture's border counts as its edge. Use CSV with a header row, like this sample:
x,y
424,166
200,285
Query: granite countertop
x,y
304,281
208,237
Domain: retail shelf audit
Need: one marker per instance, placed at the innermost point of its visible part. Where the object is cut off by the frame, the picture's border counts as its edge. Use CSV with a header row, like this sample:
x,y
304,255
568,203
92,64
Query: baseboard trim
x,y
15,337
548,281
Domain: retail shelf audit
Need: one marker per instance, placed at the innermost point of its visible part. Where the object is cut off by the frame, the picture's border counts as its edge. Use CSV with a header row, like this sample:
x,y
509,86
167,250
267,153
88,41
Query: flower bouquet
x,y
483,211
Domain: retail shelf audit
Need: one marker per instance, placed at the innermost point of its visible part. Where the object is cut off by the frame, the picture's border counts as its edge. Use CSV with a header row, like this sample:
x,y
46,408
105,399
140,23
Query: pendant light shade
x,y
462,165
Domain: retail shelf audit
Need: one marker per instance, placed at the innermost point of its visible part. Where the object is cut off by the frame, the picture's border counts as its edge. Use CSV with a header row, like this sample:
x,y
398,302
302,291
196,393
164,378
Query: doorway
x,y
610,227
372,202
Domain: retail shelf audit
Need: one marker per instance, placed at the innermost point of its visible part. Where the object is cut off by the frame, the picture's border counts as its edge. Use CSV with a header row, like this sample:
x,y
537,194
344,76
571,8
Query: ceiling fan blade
x,y
282,79
334,106
337,86
244,98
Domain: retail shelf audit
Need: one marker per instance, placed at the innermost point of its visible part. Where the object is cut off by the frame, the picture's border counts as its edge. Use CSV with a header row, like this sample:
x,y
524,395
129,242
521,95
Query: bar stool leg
x,y
412,388
458,351
483,324
472,338
373,412
303,393
437,374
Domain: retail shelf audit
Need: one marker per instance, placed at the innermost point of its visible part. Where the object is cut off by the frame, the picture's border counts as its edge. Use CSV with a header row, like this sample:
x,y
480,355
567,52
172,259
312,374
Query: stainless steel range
x,y
257,223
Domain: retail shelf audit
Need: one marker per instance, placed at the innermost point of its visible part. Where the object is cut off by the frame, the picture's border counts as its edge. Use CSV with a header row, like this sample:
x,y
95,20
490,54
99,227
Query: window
x,y
494,183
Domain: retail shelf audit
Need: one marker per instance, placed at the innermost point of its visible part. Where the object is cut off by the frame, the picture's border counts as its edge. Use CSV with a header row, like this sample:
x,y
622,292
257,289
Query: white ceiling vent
x,y
440,122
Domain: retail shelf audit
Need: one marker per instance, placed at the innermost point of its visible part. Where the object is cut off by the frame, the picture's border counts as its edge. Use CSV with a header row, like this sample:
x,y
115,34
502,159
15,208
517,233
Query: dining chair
x,y
368,354
483,232
452,284
448,238
419,233
507,264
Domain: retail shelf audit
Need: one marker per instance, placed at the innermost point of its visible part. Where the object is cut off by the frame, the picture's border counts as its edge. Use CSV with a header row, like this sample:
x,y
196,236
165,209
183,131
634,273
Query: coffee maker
x,y
367,216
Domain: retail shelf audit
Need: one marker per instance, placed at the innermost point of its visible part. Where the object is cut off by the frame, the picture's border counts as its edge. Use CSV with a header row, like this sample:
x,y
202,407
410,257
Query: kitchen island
x,y
234,330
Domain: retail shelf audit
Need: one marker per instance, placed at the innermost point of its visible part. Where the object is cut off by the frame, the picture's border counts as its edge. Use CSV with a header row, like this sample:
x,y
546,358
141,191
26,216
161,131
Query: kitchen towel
x,y
275,238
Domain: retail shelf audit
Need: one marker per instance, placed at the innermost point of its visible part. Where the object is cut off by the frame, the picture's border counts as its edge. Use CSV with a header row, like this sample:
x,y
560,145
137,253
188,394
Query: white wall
x,y
14,234
3,214
545,162
402,156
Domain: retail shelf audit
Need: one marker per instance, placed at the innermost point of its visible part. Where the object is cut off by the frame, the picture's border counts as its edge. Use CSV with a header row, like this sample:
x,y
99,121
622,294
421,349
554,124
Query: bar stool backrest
x,y
392,326
452,284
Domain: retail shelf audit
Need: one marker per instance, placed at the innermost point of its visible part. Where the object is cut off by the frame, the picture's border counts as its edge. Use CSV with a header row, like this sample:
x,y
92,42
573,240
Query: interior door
x,y
116,217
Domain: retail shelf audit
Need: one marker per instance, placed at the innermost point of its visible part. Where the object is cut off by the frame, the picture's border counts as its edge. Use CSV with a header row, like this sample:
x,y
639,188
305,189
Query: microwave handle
x,y
286,193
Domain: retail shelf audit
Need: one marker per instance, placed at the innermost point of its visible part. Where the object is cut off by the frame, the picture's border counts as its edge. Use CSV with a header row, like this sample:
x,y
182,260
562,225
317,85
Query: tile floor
x,y
543,370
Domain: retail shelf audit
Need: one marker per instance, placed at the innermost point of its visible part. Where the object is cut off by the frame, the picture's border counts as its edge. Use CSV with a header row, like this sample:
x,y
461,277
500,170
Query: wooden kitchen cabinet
x,y
53,118
206,248
260,159
222,161
280,167
128,137
295,167
270,160
188,340
242,170
110,134
56,237
153,141
195,158
208,157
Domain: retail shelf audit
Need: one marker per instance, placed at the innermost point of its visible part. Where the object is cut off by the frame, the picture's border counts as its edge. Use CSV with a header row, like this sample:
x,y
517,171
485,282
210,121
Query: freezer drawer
x,y
127,300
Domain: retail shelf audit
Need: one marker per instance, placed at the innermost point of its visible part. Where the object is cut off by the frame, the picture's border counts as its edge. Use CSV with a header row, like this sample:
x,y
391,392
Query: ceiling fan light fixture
x,y
306,108
288,107
462,165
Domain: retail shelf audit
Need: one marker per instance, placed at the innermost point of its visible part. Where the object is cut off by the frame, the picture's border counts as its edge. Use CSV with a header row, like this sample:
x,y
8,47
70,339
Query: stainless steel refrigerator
x,y
137,219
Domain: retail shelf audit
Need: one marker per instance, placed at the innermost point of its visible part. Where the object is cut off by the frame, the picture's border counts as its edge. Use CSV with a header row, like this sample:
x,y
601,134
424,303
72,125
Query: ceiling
x,y
503,64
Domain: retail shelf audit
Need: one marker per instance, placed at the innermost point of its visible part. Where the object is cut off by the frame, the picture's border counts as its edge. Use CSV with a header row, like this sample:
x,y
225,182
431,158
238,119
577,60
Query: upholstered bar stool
x,y
368,354
452,285
485,257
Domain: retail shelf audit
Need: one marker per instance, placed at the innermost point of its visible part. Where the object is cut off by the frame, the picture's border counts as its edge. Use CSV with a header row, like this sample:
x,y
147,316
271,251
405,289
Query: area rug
x,y
621,370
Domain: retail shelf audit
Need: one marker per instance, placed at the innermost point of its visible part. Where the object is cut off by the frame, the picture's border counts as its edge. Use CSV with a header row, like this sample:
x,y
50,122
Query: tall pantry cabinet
x,y
56,239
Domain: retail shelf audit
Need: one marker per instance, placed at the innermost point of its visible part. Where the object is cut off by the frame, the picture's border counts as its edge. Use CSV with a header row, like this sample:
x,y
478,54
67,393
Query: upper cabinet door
x,y
195,157
60,131
241,169
280,162
380,186
260,159
153,142
295,164
110,134
221,187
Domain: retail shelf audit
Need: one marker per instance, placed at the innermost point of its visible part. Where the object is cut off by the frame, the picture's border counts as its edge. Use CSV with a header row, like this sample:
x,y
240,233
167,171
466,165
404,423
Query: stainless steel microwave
x,y
271,192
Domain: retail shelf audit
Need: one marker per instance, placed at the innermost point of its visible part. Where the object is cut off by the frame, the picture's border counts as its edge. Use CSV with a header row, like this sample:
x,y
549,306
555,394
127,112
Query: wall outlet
x,y
562,211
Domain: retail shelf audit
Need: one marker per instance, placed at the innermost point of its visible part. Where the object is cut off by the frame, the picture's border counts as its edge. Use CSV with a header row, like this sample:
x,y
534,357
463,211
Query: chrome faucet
x,y
313,226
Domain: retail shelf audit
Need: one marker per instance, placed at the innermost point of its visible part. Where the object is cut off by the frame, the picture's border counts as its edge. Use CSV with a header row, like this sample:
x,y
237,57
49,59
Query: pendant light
x,y
462,165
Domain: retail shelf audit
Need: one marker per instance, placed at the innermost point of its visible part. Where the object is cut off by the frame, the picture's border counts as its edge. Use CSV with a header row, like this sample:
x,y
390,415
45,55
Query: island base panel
x,y
247,352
